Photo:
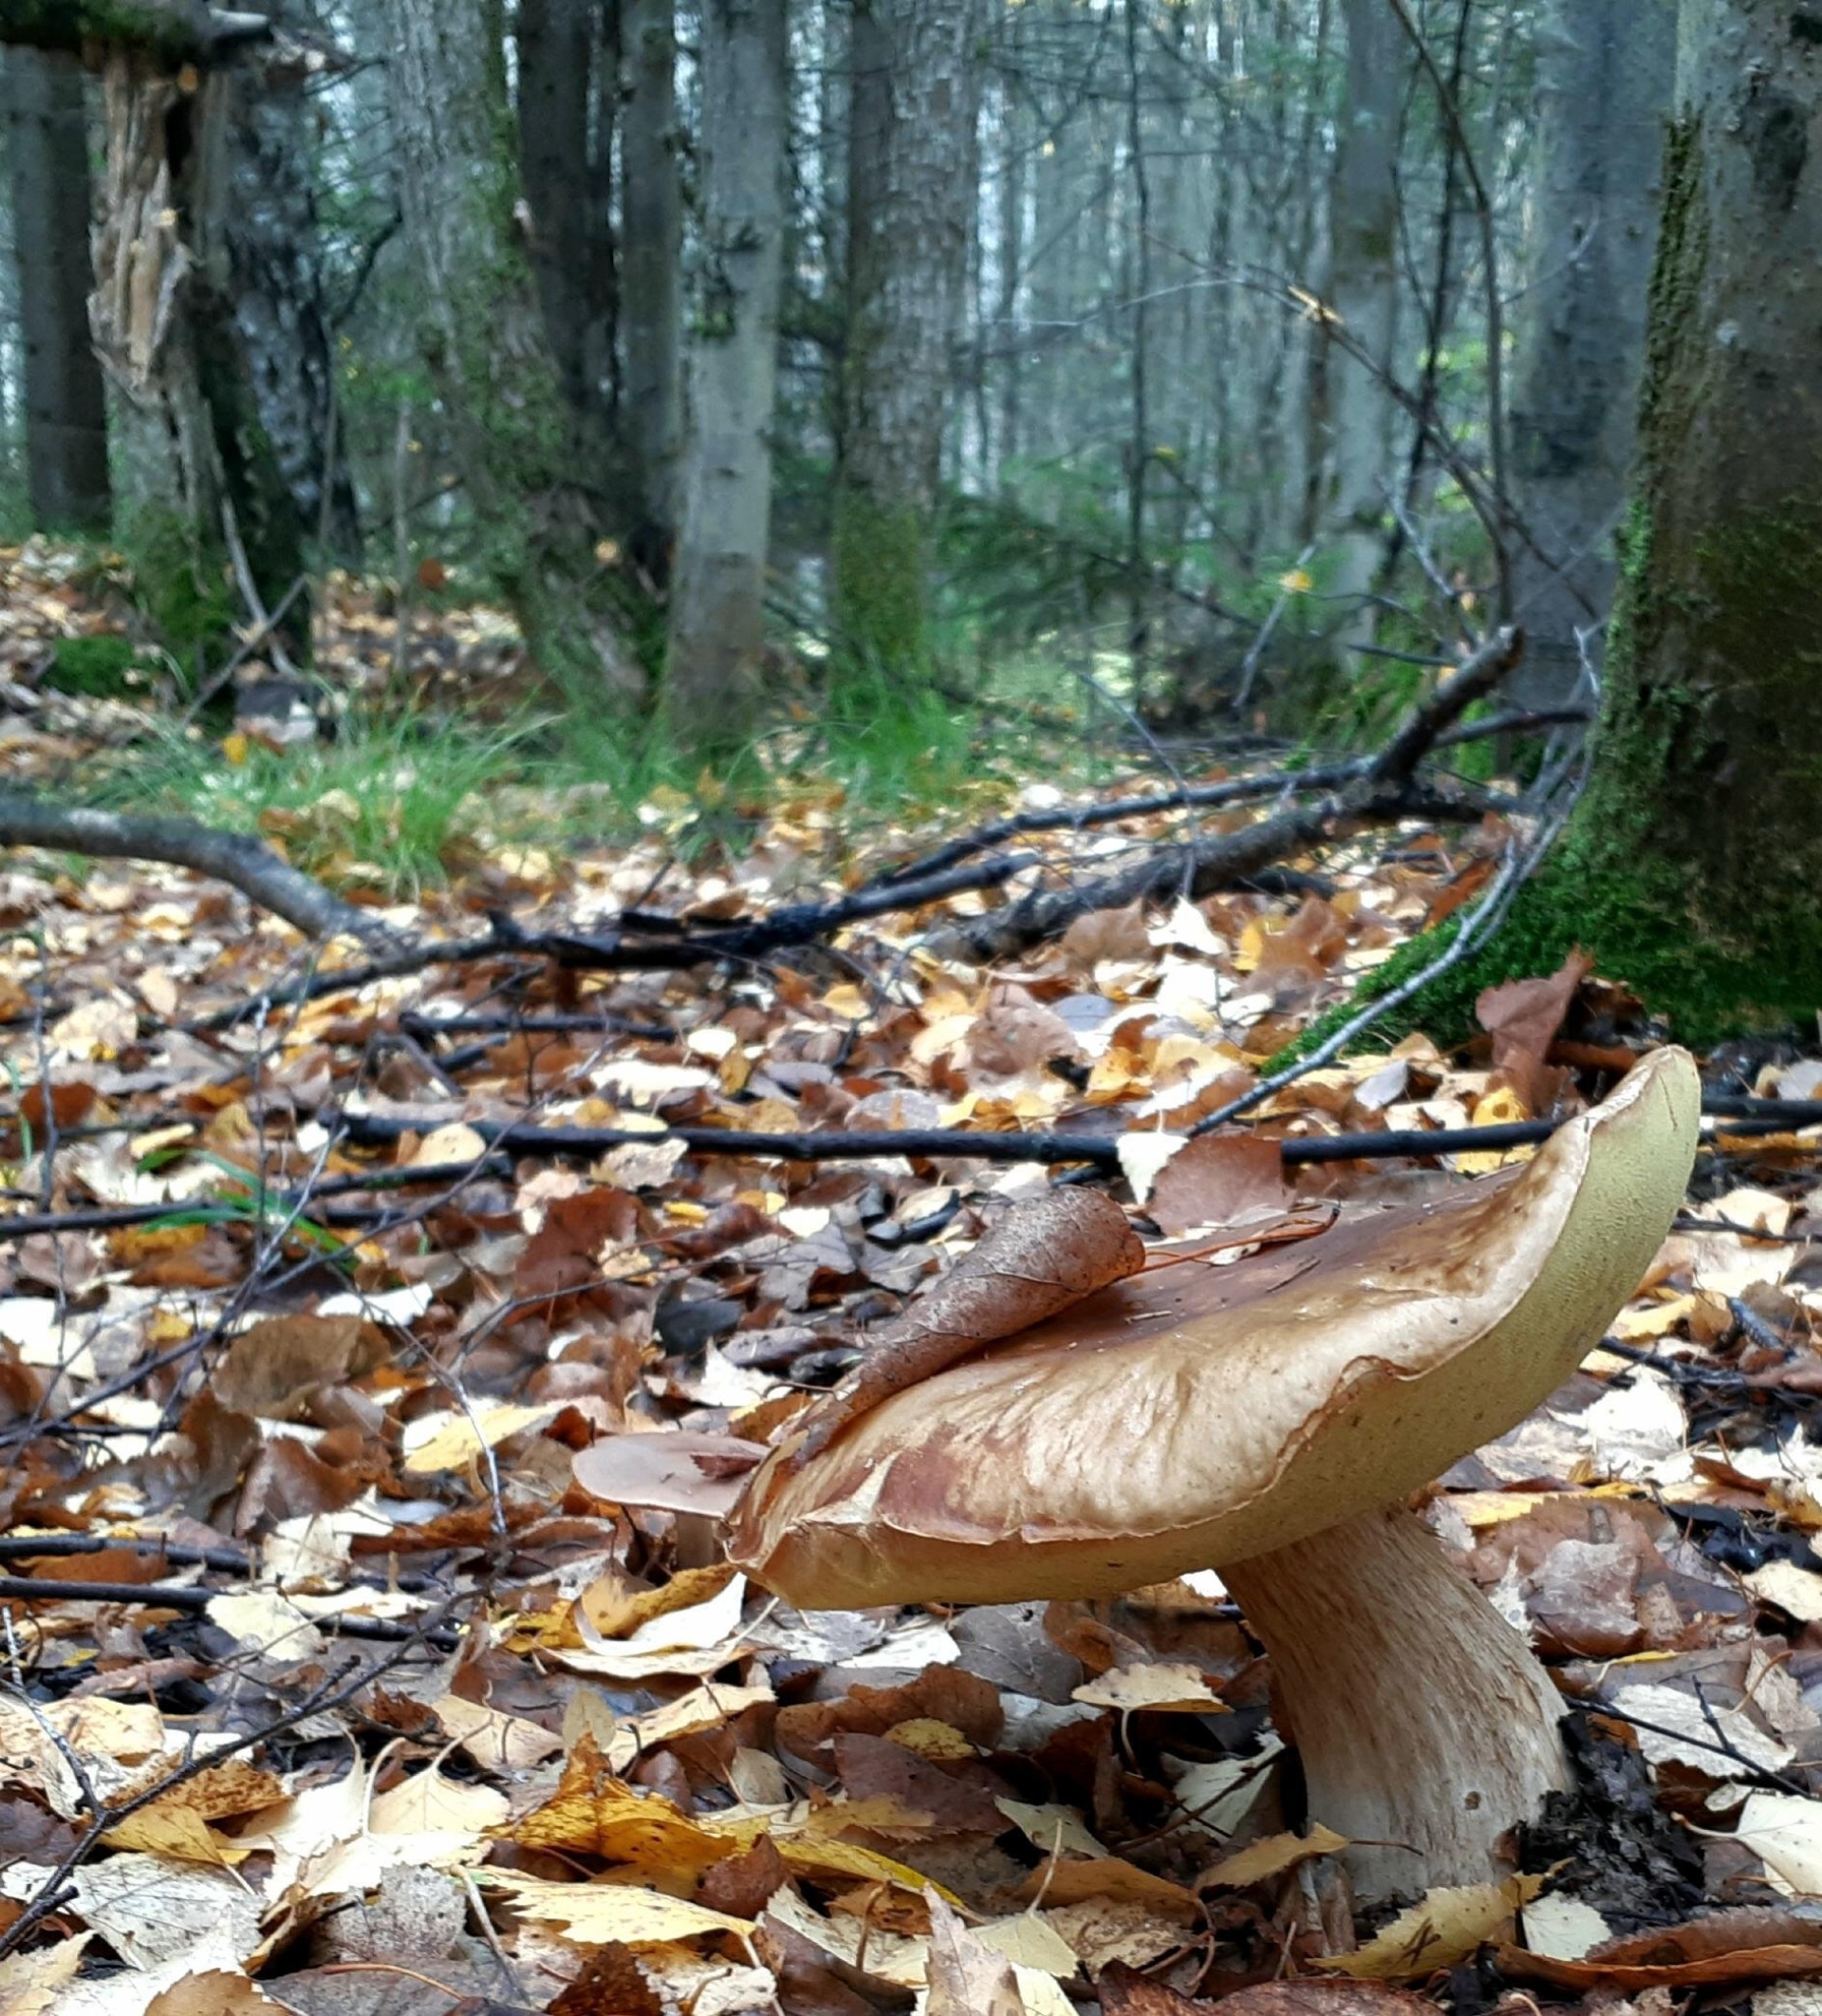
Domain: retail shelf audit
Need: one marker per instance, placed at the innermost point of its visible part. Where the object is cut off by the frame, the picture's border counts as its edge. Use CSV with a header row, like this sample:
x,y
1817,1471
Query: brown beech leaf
x,y
273,1366
565,1252
610,1984
1219,1180
1040,1258
1522,1018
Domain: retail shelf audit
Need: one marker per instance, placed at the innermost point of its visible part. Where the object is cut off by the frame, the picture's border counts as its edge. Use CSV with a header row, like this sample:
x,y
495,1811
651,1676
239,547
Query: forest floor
x,y
327,1680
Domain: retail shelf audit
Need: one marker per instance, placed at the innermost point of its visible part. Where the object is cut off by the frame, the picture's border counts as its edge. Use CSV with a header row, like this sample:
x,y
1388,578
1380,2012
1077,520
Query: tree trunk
x,y
265,266
564,164
652,232
194,359
481,337
1008,274
65,405
911,177
1606,72
718,605
1351,409
1692,868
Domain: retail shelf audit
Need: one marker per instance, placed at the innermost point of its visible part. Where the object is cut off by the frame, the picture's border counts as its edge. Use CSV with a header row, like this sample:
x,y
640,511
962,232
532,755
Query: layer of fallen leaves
x,y
412,1671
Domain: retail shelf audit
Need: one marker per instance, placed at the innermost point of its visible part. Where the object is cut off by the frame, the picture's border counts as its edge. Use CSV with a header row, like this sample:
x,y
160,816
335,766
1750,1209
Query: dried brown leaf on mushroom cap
x,y
1041,1258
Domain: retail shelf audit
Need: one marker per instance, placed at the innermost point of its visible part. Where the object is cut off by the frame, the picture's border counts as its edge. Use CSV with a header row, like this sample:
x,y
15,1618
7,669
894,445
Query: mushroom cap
x,y
1199,1415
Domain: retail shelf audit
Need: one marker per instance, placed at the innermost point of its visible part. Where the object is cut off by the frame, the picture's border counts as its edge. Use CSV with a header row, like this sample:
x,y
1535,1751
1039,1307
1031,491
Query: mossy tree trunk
x,y
912,168
1693,867
534,499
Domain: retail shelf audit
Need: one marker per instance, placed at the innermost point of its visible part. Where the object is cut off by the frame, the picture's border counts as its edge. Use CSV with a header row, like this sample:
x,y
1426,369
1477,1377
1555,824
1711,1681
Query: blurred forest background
x,y
883,382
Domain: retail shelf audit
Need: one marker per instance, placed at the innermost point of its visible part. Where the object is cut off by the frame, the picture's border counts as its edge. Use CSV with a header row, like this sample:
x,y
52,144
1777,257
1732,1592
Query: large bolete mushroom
x,y
1268,1419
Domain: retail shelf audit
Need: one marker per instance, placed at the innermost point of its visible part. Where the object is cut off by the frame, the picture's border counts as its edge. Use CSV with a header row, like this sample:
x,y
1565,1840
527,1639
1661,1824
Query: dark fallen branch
x,y
161,1595
421,1026
640,942
241,860
224,1561
60,1546
1230,791
1385,790
377,1131
1740,1117
249,1207
643,944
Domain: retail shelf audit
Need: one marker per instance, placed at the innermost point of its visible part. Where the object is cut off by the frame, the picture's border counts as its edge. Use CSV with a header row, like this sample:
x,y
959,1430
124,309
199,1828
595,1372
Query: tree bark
x,y
652,232
65,405
481,338
911,174
718,606
1605,74
190,355
1351,409
1692,868
565,164
266,267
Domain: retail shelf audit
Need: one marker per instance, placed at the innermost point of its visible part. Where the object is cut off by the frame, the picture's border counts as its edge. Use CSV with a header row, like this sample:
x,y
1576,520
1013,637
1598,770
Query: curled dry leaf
x,y
592,1913
1724,1948
1167,1689
1523,1016
1041,1258
1125,1992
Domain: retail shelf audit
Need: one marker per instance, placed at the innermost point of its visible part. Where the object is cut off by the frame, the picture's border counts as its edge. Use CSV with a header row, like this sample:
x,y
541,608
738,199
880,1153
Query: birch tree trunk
x,y
482,341
911,177
717,603
1350,410
1605,73
65,405
265,263
1693,870
652,236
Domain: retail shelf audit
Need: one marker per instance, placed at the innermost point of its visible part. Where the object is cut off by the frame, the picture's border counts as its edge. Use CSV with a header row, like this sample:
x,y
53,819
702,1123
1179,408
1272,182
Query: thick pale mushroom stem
x,y
1427,1727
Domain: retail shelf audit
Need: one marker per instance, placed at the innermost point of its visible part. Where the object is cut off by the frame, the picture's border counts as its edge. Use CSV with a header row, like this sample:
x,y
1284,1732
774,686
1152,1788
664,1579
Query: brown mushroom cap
x,y
1200,1416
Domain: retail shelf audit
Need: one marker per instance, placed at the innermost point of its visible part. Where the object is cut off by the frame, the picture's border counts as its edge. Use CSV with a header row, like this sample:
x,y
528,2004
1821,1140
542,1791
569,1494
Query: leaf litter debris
x,y
366,1637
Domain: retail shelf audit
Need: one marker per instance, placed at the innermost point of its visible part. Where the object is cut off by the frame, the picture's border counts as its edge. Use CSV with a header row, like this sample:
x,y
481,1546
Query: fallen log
x,y
241,860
